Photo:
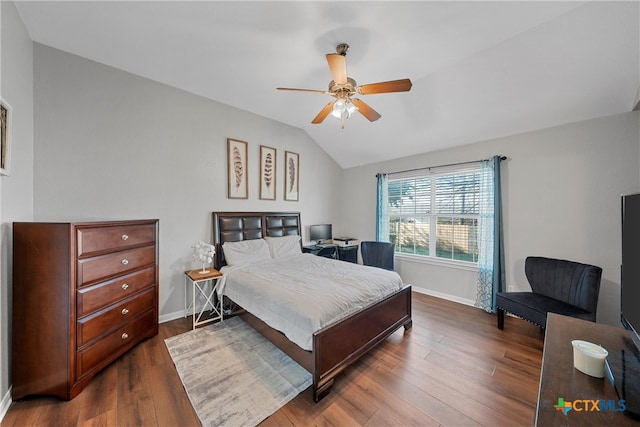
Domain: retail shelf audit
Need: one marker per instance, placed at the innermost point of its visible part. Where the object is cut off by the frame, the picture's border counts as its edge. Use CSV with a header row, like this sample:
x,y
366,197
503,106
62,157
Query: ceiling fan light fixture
x,y
351,109
343,108
339,108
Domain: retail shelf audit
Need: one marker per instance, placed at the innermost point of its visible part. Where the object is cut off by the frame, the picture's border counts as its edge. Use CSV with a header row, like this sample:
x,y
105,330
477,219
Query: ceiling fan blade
x,y
371,114
403,85
323,113
302,90
338,67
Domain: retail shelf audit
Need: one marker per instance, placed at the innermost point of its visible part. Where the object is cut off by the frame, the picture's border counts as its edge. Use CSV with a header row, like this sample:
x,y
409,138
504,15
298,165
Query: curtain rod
x,y
440,166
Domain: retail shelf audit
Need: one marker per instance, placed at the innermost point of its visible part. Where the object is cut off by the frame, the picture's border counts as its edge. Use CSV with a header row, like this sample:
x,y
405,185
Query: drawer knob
x,y
125,336
125,311
125,237
125,286
125,261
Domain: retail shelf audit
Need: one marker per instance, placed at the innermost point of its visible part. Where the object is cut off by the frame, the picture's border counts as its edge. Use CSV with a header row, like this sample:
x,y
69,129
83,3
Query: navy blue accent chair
x,y
557,286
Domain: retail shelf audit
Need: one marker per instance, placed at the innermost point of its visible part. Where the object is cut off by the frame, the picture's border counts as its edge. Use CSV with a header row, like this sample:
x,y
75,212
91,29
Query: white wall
x,y
16,190
112,145
561,198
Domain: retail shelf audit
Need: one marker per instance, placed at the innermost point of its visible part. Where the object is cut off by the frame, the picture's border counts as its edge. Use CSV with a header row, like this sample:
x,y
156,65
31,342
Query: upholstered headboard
x,y
237,226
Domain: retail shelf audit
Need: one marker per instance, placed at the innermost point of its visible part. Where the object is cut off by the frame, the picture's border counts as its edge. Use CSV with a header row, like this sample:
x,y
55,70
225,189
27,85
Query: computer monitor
x,y
320,232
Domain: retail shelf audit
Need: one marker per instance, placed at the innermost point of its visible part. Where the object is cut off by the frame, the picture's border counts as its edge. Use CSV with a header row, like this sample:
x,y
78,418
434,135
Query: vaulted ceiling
x,y
480,70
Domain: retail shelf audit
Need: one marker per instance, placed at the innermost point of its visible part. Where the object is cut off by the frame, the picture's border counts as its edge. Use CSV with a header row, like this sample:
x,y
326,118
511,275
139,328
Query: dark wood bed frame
x,y
336,346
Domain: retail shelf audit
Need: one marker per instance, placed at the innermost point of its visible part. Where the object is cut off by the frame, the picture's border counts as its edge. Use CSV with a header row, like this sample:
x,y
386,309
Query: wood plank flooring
x,y
453,368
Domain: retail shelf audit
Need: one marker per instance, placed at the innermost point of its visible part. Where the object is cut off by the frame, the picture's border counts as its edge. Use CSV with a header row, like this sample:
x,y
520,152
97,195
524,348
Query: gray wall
x,y
561,198
112,145
16,190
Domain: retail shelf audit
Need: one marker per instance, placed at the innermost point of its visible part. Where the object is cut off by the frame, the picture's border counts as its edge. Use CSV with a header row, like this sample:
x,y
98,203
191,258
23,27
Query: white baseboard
x,y
448,297
5,404
179,314
171,316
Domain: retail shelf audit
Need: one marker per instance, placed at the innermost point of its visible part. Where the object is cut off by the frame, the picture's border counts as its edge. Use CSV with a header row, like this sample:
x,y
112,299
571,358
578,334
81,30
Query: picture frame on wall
x,y
267,173
237,169
291,176
6,113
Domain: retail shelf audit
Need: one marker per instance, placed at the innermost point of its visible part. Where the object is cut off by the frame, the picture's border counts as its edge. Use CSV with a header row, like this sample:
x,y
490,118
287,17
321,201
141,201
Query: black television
x,y
630,268
624,365
320,232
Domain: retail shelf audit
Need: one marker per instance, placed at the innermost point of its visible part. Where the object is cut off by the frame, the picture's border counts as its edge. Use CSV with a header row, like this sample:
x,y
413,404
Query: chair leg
x,y
500,319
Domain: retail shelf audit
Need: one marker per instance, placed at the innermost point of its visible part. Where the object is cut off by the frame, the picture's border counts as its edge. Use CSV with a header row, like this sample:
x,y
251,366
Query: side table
x,y
203,285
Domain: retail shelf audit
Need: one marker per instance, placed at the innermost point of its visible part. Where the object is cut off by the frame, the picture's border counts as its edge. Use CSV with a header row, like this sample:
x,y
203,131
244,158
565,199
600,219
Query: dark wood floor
x,y
453,368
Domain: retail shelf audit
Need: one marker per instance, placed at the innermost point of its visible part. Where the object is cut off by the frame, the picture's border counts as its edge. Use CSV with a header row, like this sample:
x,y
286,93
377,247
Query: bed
x,y
333,347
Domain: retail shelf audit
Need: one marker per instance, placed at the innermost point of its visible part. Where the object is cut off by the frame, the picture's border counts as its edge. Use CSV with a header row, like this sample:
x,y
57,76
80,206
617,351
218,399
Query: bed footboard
x,y
337,346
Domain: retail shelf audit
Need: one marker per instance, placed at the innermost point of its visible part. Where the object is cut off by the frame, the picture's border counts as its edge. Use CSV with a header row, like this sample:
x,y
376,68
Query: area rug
x,y
233,375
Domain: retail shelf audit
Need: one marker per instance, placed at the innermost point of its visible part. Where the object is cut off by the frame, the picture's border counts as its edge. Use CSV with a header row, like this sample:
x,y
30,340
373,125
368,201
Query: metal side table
x,y
203,285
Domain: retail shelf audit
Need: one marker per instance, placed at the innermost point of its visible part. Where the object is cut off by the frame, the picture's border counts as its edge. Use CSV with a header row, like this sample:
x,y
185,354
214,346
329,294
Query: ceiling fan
x,y
343,88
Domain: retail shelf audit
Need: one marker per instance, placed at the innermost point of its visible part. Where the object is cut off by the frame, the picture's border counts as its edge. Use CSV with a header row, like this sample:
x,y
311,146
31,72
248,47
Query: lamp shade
x,y
339,108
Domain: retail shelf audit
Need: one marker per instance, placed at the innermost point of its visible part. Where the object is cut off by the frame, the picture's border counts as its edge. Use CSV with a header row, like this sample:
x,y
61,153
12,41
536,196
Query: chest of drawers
x,y
84,293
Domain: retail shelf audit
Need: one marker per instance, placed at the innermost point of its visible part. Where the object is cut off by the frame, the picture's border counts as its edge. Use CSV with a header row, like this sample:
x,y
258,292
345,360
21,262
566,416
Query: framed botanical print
x,y
267,173
237,170
5,136
291,175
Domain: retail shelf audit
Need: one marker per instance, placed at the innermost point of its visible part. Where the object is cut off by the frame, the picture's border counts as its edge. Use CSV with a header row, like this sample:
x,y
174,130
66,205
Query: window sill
x,y
441,262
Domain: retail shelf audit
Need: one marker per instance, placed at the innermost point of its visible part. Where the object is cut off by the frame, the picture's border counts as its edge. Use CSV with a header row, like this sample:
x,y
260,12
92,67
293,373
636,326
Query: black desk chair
x,y
378,254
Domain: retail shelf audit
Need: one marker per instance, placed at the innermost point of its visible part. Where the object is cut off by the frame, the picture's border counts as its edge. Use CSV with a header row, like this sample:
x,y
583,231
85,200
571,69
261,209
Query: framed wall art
x,y
5,137
267,173
237,170
291,175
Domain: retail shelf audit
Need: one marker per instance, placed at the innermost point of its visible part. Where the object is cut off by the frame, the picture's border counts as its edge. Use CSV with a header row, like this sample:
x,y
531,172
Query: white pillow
x,y
245,251
283,246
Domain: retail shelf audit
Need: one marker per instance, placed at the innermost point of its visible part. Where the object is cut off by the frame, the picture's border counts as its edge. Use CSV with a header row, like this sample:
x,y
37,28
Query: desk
x,y
342,253
348,253
203,285
327,251
559,379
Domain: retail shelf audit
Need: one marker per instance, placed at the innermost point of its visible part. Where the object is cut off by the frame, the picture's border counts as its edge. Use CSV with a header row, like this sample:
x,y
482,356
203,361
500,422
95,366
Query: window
x,y
436,215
